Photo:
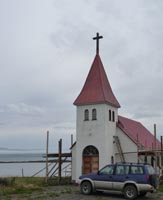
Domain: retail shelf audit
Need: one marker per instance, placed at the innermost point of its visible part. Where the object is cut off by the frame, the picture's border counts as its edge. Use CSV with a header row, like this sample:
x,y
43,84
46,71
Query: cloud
x,y
1,124
65,126
22,108
46,56
143,113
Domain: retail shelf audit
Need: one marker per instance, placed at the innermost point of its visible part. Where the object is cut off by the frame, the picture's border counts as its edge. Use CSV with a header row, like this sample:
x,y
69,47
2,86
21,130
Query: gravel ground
x,y
72,193
76,195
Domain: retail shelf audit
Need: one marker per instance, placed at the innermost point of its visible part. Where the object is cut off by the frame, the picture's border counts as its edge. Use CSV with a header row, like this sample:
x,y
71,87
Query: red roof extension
x,y
137,132
96,88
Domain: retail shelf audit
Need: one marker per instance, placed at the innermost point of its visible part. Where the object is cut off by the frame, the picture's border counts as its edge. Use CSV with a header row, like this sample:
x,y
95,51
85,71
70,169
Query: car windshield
x,y
107,170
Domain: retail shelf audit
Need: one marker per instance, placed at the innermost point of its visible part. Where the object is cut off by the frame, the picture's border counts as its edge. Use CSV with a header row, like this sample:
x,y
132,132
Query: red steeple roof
x,y
96,88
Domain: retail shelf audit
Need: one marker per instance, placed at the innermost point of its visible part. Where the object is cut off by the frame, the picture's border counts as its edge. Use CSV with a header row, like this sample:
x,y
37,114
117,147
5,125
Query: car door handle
x,y
126,177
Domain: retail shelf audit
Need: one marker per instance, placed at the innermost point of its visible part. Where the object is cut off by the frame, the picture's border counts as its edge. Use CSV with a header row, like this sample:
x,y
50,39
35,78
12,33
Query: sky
x,y
46,51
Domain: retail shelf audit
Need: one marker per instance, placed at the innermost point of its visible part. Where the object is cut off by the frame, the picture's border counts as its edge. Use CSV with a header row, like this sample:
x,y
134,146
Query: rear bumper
x,y
146,188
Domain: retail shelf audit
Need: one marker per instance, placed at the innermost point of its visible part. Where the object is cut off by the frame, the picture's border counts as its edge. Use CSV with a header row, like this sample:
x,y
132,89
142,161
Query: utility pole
x,y
161,154
155,151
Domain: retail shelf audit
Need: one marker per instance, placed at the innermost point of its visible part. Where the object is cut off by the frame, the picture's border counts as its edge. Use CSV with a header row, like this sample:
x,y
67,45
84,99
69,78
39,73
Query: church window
x,y
109,115
90,150
113,116
94,114
86,115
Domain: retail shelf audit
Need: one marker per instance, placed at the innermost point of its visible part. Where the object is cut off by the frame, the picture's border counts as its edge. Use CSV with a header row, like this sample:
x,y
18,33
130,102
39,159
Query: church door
x,y
90,160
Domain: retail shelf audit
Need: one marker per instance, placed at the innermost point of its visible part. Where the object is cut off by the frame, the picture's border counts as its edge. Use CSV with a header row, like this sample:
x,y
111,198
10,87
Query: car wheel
x,y
86,187
130,192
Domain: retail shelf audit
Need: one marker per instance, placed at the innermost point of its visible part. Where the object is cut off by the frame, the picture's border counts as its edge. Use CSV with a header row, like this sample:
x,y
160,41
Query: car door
x,y
120,176
104,178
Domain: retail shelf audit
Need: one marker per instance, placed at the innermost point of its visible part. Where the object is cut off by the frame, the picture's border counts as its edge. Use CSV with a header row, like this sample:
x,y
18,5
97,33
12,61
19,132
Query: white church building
x,y
102,136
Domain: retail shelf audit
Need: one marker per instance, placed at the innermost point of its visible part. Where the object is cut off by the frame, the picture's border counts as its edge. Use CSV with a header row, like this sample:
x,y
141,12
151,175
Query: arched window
x,y
86,115
113,116
94,114
90,150
109,115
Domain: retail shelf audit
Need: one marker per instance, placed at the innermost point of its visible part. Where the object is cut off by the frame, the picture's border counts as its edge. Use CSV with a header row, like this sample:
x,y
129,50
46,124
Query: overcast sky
x,y
46,51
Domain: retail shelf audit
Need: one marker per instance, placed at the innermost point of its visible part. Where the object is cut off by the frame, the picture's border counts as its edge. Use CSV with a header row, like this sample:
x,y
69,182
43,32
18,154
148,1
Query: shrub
x,y
7,181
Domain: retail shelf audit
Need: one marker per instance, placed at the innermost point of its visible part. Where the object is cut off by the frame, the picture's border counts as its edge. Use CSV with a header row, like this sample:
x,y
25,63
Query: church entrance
x,y
90,160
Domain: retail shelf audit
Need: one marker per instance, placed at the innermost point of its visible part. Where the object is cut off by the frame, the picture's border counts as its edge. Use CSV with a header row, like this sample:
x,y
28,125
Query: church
x,y
102,136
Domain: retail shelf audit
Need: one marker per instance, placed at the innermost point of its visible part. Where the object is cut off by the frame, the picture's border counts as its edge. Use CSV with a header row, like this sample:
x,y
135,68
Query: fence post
x,y
47,146
60,160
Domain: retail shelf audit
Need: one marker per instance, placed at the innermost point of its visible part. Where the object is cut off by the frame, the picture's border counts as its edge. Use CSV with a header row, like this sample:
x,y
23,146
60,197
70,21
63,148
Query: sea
x,y
21,169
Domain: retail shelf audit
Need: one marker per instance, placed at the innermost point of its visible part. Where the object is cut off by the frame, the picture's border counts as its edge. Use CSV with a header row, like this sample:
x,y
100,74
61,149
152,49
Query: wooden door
x,y
94,164
90,164
86,164
90,160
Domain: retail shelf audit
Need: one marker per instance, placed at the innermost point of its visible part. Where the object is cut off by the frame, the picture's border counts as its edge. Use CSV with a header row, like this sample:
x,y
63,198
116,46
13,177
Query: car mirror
x,y
98,172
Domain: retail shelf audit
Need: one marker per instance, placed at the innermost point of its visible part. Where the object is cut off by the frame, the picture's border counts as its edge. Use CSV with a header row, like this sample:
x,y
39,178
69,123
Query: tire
x,y
154,180
86,188
130,192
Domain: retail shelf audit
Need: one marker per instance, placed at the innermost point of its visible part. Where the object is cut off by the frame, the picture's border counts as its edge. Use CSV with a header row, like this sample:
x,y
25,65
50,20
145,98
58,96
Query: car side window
x,y
121,170
150,169
137,170
107,170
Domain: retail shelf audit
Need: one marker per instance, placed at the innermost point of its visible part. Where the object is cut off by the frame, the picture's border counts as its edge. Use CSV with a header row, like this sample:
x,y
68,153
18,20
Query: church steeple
x,y
97,88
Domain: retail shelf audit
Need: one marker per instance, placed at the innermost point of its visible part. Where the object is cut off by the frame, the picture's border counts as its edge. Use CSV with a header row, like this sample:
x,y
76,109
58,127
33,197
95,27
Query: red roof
x,y
137,132
96,88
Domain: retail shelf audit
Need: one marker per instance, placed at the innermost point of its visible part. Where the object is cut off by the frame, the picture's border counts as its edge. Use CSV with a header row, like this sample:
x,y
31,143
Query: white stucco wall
x,y
128,146
98,133
73,166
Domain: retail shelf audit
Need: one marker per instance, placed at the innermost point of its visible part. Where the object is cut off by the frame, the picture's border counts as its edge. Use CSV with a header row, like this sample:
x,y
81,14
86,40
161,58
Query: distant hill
x,y
15,149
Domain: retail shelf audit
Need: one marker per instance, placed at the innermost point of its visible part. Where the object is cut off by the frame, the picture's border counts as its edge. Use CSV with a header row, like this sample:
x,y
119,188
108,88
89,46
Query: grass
x,y
30,188
12,186
161,187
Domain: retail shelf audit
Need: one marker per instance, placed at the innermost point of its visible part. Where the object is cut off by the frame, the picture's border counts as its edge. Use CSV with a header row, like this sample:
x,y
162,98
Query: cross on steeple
x,y
97,42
